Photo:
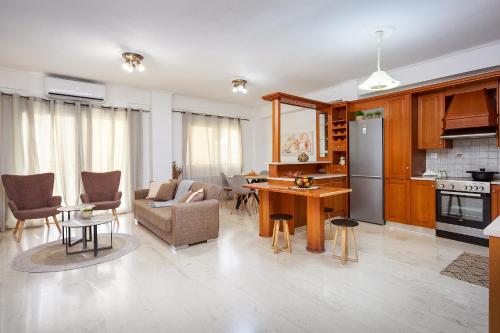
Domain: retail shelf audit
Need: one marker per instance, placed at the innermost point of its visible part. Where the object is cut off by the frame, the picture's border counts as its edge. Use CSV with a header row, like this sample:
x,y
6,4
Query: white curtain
x,y
67,138
211,145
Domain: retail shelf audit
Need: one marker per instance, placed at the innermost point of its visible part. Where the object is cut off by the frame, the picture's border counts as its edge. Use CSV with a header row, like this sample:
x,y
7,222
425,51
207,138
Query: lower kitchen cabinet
x,y
397,200
340,201
423,203
495,201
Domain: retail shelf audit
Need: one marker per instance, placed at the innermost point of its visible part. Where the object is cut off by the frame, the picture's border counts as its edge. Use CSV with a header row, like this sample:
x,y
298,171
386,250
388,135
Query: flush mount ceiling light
x,y
132,62
240,86
379,80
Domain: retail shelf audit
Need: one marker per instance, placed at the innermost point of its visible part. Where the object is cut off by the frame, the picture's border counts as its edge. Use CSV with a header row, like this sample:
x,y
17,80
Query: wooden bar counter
x,y
306,207
493,231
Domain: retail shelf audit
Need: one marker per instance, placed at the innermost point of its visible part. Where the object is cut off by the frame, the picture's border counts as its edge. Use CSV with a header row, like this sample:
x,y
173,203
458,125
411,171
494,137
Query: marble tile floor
x,y
237,284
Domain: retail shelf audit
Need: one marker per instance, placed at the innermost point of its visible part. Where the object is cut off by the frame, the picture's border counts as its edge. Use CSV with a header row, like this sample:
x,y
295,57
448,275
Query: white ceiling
x,y
195,47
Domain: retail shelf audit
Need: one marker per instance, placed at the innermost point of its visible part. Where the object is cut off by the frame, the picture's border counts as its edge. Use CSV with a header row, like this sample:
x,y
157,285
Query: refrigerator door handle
x,y
365,176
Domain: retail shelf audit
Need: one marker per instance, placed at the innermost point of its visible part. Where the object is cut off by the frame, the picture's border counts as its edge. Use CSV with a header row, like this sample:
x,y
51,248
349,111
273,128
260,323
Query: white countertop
x,y
424,178
493,230
314,175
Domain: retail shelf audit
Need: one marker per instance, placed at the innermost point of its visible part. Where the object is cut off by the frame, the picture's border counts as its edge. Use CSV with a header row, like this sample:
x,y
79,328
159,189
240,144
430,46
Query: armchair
x,y
30,197
101,190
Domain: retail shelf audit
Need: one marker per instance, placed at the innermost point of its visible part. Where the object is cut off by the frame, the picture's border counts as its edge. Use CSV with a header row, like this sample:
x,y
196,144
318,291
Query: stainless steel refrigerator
x,y
366,159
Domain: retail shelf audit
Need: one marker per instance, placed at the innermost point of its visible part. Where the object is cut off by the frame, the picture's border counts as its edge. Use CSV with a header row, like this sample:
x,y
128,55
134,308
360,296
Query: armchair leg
x,y
56,223
47,222
116,215
21,229
17,227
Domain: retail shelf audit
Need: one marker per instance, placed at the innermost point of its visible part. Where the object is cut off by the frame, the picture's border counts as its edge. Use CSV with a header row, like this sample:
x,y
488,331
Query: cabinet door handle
x,y
407,168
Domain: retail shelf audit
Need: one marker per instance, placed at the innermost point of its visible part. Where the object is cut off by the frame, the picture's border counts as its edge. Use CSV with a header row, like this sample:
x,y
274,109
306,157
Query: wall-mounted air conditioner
x,y
72,89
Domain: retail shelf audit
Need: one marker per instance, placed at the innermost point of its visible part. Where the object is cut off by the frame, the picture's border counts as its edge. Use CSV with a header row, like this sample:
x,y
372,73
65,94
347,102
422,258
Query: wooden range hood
x,y
470,114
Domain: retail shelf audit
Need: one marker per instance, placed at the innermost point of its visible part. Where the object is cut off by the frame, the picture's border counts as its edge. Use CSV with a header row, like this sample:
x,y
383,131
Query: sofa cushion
x,y
166,192
37,213
196,196
159,217
211,191
154,187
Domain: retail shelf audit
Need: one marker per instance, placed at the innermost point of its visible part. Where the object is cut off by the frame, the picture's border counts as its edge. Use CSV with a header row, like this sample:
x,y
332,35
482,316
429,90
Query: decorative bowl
x,y
86,213
304,181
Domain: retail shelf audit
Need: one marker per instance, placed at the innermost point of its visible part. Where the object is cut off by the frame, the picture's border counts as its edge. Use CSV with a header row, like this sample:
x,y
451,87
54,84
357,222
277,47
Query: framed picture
x,y
292,144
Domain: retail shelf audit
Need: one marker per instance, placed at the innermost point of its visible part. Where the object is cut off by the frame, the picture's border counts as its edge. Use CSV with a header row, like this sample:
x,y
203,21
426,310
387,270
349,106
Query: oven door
x,y
462,208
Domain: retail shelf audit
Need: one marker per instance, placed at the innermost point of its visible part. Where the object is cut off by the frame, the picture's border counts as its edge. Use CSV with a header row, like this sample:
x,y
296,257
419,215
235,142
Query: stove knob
x,y
469,188
481,188
452,186
476,188
441,185
465,187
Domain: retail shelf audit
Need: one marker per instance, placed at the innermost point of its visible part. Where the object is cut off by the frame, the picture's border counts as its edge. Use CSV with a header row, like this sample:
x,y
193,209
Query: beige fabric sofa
x,y
182,224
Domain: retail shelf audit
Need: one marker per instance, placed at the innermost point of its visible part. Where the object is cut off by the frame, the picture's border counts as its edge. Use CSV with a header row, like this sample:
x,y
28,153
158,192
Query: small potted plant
x,y
360,115
369,115
377,114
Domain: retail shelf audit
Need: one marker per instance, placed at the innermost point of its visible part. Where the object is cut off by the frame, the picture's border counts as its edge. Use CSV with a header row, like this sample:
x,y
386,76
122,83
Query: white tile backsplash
x,y
468,154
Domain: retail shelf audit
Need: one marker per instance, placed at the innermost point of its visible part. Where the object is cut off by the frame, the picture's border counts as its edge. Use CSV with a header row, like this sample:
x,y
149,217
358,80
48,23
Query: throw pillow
x,y
196,196
154,187
186,196
165,192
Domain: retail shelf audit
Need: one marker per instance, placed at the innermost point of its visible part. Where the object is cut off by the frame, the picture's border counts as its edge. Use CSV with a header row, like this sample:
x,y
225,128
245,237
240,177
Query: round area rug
x,y
52,257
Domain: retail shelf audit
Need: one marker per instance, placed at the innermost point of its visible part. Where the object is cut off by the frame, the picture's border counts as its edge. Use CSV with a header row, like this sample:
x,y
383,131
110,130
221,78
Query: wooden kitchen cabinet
x,y
397,200
430,121
423,203
397,138
495,201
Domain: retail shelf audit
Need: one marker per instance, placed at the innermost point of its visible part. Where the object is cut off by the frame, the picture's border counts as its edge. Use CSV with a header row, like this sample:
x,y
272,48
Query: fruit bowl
x,y
304,181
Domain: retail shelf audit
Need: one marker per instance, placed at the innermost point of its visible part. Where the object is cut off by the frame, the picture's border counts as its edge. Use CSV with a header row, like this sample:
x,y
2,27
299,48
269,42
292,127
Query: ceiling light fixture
x,y
379,80
240,86
133,62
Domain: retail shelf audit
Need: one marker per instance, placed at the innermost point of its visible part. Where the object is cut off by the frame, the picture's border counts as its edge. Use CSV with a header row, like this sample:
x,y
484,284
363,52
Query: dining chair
x,y
226,186
241,195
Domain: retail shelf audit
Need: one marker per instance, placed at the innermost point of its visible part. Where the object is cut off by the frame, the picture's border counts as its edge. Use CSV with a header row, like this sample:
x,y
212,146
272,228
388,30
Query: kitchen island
x,y
306,207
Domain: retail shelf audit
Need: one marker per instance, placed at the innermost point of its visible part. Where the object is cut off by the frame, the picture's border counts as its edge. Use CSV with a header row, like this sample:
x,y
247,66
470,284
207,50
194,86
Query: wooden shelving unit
x,y
340,137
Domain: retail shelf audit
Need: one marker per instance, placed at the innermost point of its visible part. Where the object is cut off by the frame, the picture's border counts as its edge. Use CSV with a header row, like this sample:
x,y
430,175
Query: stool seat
x,y
328,210
344,223
280,217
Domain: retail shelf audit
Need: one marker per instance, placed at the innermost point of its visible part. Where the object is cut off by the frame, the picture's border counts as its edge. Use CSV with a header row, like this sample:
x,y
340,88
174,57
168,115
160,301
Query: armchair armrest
x,y
85,198
55,201
13,206
141,194
118,196
195,222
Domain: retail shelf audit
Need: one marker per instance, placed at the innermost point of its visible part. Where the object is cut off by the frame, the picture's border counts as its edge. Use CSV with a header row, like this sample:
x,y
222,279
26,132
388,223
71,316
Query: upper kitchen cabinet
x,y
397,138
430,121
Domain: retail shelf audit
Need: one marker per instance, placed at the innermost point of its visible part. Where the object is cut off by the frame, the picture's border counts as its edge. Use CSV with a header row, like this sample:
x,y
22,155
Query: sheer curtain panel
x,y
211,145
67,138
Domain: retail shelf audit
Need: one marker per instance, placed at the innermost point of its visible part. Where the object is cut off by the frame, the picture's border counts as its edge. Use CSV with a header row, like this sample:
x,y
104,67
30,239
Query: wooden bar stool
x,y
283,218
343,225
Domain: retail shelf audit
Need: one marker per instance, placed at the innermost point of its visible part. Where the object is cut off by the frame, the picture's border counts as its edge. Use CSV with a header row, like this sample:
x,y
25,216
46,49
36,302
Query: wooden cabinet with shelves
x,y
495,201
397,138
397,200
431,112
423,203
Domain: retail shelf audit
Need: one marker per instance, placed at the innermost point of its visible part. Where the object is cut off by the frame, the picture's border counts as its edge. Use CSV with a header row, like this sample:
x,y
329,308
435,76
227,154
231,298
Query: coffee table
x,y
78,222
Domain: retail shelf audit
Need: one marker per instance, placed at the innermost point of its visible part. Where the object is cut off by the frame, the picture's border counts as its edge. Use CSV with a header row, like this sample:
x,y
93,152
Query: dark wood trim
x,y
295,101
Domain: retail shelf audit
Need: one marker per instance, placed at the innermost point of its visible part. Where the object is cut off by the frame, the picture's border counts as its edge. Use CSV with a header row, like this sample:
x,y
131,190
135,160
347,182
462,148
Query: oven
x,y
463,214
